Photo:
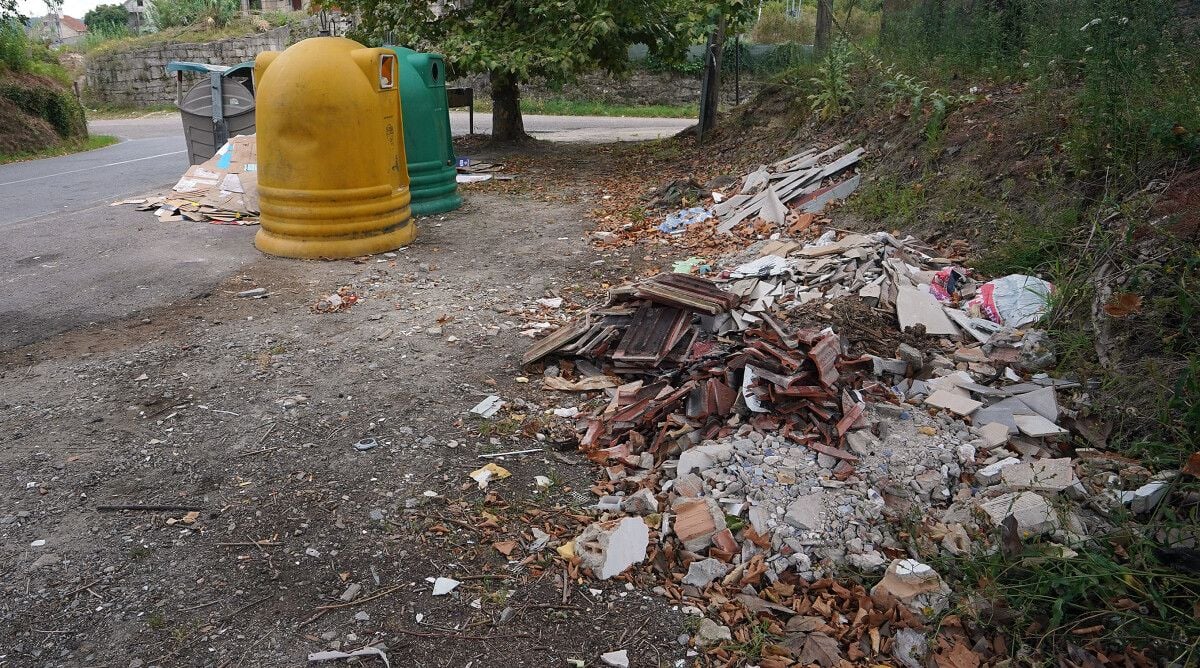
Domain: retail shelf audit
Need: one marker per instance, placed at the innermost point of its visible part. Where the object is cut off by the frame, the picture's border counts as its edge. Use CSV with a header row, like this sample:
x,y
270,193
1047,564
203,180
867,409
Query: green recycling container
x,y
427,143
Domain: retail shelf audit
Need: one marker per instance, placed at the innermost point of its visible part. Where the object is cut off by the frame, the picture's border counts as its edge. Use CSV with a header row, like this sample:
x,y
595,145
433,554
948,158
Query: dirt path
x,y
248,411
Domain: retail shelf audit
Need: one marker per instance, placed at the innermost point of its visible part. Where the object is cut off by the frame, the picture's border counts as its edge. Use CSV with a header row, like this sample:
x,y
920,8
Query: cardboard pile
x,y
222,190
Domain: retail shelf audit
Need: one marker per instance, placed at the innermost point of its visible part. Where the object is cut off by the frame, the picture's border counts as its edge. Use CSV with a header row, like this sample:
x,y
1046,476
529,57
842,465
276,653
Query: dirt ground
x,y
248,410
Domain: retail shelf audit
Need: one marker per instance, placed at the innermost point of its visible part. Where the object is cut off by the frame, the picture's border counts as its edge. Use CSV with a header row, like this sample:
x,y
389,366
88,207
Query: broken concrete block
x,y
711,633
1034,514
641,502
975,354
688,485
868,562
996,414
994,434
992,472
1044,402
1042,475
805,512
915,307
758,519
916,585
608,548
1146,497
696,520
702,572
953,402
616,659
911,356
910,648
1037,426
861,442
703,457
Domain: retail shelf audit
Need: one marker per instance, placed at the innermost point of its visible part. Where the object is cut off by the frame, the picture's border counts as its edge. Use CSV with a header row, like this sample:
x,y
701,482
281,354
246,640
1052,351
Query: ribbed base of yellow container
x,y
334,223
309,247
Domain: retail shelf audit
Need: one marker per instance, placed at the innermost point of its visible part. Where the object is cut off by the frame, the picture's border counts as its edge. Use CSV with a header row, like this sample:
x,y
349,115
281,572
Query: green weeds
x,y
890,202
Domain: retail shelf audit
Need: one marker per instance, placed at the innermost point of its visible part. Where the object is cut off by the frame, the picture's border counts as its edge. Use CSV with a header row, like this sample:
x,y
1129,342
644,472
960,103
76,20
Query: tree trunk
x,y
711,86
507,124
824,26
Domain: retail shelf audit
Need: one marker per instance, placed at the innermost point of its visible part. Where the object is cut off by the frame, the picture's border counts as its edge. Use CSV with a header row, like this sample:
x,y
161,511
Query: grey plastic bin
x,y
207,126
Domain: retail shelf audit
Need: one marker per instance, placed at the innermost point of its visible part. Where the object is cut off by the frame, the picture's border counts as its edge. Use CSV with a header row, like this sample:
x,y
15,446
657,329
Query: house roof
x,y
73,23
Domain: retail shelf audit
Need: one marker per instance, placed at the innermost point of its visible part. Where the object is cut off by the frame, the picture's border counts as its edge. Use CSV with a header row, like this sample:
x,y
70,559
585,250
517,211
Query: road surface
x,y
69,258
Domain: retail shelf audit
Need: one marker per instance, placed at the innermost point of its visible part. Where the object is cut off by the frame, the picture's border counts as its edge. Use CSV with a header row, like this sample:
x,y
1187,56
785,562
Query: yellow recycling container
x,y
333,177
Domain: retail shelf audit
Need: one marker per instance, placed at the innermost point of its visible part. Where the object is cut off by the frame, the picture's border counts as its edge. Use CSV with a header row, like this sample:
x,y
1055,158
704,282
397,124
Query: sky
x,y
76,8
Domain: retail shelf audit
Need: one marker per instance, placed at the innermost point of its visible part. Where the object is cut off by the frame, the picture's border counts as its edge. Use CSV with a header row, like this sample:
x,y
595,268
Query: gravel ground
x,y
247,410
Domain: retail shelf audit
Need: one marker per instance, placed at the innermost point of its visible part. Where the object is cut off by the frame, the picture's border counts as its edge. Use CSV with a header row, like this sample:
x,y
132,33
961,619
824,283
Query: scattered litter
x,y
341,300
1013,301
488,407
331,655
489,473
443,586
510,453
365,444
677,222
472,178
254,292
617,659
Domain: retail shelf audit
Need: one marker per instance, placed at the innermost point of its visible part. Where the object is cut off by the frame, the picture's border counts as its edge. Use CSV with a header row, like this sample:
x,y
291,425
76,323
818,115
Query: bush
x,y
180,13
14,47
59,107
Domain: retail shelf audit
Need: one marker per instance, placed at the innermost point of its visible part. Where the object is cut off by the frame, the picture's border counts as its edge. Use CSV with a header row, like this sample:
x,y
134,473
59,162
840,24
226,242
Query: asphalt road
x,y
69,258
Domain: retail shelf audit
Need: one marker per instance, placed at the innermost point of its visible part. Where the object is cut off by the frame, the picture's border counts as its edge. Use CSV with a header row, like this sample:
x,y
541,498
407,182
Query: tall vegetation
x,y
183,13
1130,68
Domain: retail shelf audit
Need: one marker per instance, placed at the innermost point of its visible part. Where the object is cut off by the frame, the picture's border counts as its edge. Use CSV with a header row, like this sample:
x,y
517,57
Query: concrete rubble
x,y
609,548
753,436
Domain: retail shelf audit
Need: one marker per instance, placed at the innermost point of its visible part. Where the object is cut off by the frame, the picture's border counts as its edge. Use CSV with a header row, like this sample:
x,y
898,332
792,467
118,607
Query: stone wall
x,y
139,78
638,88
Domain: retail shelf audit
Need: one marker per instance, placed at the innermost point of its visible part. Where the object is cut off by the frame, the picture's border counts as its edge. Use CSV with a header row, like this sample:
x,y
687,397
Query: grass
x,y
64,148
198,34
565,107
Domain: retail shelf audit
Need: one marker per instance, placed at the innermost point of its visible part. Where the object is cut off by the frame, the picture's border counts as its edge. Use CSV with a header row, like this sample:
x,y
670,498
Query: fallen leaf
x,y
190,518
756,605
957,655
820,649
1123,305
505,547
805,624
1192,467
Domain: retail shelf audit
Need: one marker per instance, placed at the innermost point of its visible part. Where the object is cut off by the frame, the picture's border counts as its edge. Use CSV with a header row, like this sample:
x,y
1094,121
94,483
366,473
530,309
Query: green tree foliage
x,y
514,41
106,18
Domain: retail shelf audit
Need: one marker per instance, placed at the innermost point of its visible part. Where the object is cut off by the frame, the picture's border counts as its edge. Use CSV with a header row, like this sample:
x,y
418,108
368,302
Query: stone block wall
x,y
139,78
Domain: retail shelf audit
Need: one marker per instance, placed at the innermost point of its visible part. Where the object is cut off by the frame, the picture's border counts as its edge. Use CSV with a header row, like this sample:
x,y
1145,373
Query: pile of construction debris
x,y
808,179
223,190
750,450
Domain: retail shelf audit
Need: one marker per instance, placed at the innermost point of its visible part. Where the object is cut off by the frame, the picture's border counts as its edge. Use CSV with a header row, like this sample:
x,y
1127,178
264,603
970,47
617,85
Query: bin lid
x,y
236,99
240,70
